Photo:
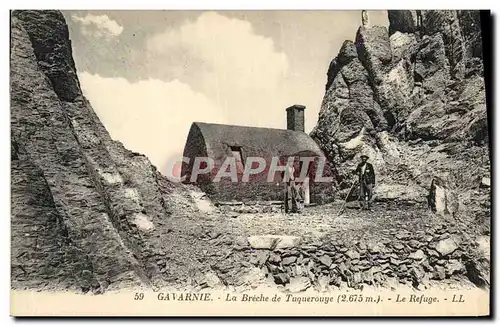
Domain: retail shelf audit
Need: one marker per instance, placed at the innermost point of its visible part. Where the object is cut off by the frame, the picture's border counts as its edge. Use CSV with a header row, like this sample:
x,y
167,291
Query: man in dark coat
x,y
366,176
294,197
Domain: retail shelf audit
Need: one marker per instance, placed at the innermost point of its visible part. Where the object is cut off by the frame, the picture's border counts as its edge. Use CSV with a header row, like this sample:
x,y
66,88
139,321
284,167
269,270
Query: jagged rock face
x,y
431,66
404,21
417,85
403,45
87,213
470,25
374,50
446,23
53,51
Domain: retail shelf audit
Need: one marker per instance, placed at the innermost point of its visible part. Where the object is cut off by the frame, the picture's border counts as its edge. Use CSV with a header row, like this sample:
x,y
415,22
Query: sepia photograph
x,y
250,162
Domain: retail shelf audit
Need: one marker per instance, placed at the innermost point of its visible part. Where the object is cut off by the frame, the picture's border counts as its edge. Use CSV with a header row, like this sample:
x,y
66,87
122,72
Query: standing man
x,y
366,176
293,196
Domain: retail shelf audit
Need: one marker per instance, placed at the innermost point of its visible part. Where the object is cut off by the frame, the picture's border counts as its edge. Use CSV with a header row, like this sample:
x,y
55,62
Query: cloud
x,y
151,116
98,25
226,60
213,69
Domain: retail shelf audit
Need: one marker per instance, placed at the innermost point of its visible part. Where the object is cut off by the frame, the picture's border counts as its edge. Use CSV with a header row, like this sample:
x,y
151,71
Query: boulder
x,y
274,258
326,260
352,254
322,283
262,257
439,273
398,246
395,261
402,235
367,277
454,266
417,273
442,200
471,126
254,276
273,241
298,284
210,280
375,248
447,246
417,255
402,269
281,278
391,192
289,260
414,243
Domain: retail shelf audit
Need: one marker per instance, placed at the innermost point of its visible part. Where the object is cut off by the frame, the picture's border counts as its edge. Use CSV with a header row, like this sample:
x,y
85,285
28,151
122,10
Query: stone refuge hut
x,y
219,141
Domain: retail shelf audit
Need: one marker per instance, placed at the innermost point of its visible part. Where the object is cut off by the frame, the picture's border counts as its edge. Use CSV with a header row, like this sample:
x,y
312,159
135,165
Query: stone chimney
x,y
295,117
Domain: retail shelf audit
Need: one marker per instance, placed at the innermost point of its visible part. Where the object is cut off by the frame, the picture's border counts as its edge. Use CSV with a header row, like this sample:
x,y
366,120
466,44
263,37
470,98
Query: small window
x,y
236,150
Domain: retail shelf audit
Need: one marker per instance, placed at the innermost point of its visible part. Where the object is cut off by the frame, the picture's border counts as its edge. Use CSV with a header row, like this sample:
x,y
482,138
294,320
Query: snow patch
x,y
440,199
131,193
111,178
202,202
389,147
355,142
142,222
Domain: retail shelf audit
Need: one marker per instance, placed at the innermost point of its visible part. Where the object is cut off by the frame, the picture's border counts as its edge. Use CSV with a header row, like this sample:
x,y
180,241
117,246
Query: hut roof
x,y
254,141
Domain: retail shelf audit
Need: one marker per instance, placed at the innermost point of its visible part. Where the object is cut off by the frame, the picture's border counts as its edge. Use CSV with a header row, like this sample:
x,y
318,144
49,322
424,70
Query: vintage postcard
x,y
250,163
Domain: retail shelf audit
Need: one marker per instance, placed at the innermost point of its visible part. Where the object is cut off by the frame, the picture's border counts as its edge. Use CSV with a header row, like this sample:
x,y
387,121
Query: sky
x,y
150,74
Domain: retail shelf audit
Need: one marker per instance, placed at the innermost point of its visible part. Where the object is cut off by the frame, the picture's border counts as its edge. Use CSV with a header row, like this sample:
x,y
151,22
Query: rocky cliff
x,y
412,97
86,213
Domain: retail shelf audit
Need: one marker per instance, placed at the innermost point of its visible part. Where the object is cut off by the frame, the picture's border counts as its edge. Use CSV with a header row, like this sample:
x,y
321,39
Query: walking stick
x,y
345,200
284,204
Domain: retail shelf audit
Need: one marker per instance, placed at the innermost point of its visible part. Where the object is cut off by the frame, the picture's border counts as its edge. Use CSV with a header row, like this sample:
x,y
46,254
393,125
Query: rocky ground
x,y
392,245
